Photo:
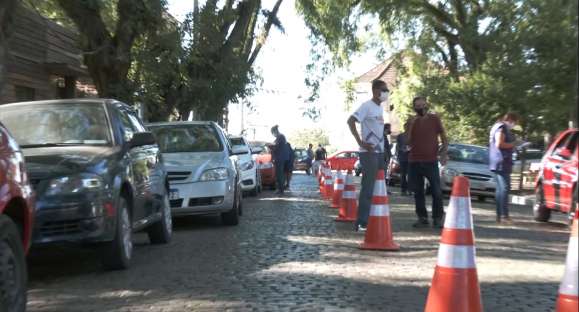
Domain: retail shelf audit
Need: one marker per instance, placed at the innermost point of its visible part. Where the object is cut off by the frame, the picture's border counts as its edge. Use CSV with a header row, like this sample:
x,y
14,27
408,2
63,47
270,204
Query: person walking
x,y
319,157
370,115
402,156
501,146
309,158
424,131
280,157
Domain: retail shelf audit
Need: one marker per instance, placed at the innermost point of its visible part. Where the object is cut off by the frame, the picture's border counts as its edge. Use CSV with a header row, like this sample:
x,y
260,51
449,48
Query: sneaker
x,y
437,224
279,193
508,220
421,223
360,228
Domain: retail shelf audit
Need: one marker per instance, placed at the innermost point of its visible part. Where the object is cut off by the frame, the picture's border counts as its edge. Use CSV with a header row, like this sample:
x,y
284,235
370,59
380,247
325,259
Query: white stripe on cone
x,y
380,188
349,195
570,279
457,216
457,257
379,210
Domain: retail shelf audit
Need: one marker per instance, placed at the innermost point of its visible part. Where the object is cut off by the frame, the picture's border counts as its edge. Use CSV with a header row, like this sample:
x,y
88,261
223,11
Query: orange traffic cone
x,y
328,185
455,286
379,231
349,205
338,190
568,300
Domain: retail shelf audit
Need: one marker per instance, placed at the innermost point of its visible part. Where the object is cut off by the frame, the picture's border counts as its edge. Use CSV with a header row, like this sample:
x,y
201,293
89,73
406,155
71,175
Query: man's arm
x,y
352,124
444,148
500,141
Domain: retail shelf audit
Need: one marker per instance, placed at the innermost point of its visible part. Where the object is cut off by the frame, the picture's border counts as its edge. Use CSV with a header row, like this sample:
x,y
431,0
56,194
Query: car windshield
x,y
54,124
187,138
468,154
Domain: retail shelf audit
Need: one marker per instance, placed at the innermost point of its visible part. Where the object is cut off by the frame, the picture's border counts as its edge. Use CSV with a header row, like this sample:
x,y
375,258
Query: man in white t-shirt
x,y
370,115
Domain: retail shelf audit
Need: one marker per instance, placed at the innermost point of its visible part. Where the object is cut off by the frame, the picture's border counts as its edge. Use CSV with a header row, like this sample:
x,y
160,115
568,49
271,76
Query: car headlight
x,y
449,172
246,166
266,166
216,174
74,184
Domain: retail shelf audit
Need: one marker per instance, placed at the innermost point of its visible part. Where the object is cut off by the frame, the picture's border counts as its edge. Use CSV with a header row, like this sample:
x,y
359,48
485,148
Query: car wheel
x,y
540,211
13,274
118,252
481,198
231,217
161,232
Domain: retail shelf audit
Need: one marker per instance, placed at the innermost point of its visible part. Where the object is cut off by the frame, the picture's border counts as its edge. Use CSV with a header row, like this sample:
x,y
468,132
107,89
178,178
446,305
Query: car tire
x,y
231,217
540,212
118,253
13,274
254,191
161,231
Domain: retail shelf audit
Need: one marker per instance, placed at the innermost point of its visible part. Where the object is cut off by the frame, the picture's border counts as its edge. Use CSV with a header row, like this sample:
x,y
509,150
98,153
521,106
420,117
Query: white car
x,y
471,161
203,174
250,177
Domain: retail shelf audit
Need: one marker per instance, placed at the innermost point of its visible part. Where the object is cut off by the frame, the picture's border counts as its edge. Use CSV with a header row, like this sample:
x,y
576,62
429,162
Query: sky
x,y
282,63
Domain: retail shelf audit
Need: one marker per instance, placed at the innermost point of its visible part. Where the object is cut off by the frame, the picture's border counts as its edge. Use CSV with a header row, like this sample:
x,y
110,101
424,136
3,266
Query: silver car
x,y
471,161
203,175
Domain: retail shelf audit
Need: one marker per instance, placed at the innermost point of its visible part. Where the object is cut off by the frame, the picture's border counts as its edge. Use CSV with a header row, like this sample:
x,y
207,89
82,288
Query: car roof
x,y
468,145
179,123
65,101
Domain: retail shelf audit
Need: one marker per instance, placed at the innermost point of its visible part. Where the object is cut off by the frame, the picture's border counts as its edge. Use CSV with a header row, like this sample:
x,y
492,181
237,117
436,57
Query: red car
x,y
262,155
556,184
16,219
343,160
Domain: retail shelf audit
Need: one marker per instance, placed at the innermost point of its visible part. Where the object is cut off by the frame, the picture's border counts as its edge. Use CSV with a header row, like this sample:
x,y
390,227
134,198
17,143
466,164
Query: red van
x,y
556,184
16,219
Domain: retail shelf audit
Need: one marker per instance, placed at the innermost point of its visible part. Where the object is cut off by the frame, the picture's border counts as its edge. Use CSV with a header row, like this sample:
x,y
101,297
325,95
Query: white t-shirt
x,y
371,117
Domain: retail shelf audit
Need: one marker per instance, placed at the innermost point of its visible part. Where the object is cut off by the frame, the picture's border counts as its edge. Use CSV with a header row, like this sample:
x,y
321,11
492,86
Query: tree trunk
x,y
7,8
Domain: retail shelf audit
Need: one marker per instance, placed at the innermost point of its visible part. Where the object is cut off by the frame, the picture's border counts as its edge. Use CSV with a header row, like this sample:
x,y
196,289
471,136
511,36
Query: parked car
x,y
265,164
250,177
556,185
532,164
16,221
471,161
204,178
343,160
96,172
301,160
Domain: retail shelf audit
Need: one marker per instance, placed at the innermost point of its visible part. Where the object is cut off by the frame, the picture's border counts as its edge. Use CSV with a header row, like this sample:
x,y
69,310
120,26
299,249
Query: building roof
x,y
375,73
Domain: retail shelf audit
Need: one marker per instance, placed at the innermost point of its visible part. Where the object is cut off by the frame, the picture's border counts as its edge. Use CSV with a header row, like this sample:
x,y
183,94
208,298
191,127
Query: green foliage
x,y
475,60
315,136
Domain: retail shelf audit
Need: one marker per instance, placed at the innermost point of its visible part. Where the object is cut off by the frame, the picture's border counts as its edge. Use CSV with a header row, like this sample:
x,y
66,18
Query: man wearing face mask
x,y
370,115
501,146
424,130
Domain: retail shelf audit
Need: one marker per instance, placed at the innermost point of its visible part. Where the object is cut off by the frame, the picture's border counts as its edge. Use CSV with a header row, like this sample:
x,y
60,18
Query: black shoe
x,y
437,224
421,223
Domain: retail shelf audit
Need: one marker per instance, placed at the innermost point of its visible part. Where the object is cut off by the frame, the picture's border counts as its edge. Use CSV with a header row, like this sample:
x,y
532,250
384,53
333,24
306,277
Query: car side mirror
x,y
142,138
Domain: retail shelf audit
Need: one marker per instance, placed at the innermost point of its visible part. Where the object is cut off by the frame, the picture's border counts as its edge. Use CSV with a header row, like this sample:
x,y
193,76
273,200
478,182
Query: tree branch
x,y
265,33
439,14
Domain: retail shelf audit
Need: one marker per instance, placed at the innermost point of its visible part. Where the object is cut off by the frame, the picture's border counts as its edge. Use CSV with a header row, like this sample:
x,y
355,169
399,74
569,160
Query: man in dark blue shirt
x,y
280,157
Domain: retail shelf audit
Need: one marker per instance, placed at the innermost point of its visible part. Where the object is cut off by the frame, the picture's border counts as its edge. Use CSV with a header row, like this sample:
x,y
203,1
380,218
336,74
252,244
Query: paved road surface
x,y
288,254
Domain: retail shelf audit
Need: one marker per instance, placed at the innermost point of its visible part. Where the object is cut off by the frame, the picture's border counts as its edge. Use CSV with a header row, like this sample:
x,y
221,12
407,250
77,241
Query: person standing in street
x,y
402,156
319,157
289,166
501,147
370,115
387,154
310,158
280,157
425,129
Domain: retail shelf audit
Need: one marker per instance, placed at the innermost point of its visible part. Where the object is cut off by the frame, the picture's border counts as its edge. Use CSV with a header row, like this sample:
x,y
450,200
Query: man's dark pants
x,y
429,170
404,176
371,163
280,174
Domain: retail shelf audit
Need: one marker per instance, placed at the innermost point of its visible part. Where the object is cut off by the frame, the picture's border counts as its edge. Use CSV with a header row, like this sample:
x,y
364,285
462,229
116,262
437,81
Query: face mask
x,y
420,111
384,96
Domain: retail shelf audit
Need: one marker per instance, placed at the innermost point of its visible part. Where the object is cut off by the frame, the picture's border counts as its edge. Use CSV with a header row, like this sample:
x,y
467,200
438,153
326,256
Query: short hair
x,y
511,116
417,98
274,128
377,83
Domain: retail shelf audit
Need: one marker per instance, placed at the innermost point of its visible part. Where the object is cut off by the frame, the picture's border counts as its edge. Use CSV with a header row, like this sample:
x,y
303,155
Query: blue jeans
x,y
418,171
503,180
371,163
280,167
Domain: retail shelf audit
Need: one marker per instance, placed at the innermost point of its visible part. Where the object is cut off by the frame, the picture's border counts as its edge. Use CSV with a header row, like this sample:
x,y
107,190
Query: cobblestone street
x,y
288,254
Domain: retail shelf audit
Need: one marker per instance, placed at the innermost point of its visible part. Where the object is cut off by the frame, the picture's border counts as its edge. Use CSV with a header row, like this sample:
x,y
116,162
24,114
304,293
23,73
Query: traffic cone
x,y
455,286
349,205
379,231
568,300
329,185
338,190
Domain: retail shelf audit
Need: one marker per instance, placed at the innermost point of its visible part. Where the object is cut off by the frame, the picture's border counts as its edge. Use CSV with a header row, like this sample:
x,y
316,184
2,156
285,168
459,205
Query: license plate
x,y
173,194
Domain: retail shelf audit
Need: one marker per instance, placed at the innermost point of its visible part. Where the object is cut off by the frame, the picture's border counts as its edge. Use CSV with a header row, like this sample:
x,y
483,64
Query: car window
x,y
236,142
128,127
187,138
57,123
567,146
468,154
